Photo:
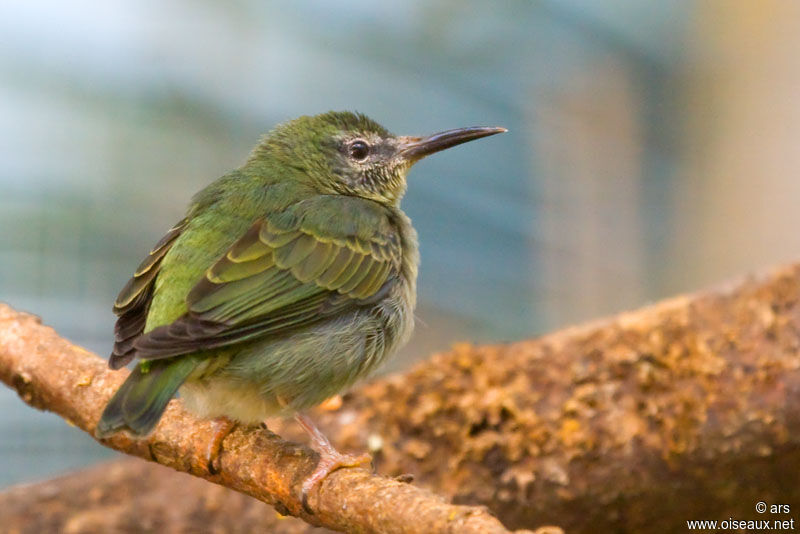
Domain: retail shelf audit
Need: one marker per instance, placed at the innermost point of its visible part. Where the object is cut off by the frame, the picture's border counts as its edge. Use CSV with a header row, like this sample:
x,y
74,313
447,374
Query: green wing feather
x,y
133,301
322,256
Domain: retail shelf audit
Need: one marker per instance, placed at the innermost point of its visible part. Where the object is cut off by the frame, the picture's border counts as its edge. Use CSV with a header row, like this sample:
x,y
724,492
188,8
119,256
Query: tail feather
x,y
141,400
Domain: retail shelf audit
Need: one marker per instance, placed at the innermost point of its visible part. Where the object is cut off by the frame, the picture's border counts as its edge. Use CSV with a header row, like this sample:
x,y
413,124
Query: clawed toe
x,y
329,461
222,427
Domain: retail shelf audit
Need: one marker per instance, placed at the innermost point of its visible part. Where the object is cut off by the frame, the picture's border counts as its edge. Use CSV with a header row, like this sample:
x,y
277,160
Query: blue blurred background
x,y
652,150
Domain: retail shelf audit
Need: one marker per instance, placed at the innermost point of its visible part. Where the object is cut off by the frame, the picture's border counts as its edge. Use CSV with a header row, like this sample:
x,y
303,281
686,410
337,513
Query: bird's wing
x,y
133,302
321,256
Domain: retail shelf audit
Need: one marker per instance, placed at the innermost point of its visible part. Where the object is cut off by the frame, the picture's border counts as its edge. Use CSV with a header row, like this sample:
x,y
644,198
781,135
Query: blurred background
x,y
652,150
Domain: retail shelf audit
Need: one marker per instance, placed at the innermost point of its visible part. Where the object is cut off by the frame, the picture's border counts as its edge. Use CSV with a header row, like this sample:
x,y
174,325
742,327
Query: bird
x,y
287,280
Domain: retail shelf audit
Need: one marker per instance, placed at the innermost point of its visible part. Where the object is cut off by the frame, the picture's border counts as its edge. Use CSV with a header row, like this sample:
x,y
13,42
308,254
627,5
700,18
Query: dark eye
x,y
359,150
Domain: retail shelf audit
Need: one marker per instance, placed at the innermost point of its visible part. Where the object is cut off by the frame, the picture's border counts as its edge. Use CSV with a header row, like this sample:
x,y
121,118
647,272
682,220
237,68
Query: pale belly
x,y
270,377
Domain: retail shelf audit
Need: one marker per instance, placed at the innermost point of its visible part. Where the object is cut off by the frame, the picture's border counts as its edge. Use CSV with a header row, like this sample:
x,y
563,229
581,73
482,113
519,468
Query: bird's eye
x,y
359,150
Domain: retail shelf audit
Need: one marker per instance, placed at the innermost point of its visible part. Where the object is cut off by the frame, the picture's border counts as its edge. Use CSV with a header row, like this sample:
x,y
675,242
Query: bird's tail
x,y
141,400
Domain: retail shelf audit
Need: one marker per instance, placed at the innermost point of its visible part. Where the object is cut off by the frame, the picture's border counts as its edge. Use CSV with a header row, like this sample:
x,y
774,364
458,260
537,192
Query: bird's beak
x,y
416,148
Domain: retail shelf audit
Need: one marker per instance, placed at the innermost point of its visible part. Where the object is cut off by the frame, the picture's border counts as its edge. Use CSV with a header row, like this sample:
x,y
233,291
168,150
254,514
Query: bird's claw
x,y
329,461
222,427
329,458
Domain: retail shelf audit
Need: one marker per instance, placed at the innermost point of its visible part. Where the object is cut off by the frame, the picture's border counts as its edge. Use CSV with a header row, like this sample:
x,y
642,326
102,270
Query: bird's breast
x,y
398,307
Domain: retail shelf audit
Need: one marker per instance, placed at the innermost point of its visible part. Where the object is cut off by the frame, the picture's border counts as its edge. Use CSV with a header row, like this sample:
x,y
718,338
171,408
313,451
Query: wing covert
x,y
288,271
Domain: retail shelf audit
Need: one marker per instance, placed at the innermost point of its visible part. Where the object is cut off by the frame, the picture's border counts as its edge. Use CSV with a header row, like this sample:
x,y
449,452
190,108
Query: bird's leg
x,y
329,458
222,427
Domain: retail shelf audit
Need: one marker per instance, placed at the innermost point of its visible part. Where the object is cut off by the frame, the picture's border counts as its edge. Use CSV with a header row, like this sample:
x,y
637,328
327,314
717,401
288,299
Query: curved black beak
x,y
415,148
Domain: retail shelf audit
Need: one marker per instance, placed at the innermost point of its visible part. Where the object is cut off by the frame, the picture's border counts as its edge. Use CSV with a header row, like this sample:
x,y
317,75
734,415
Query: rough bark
x,y
130,496
684,410
50,373
688,409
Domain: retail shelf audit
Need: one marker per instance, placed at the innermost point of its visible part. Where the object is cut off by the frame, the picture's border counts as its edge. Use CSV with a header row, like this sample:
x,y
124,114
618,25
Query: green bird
x,y
288,280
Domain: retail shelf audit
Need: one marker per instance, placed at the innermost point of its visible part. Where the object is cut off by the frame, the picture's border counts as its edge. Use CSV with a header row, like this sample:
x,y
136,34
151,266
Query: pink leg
x,y
329,458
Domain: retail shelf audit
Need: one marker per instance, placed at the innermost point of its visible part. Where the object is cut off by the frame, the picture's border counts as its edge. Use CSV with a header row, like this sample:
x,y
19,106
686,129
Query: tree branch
x,y
131,496
50,373
688,409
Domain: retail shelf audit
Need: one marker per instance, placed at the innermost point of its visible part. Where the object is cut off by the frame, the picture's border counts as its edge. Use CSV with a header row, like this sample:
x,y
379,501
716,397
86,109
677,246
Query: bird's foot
x,y
329,459
328,463
222,427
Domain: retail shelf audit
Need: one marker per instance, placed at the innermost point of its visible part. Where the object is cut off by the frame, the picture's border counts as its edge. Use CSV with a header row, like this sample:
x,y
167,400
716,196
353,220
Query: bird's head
x,y
350,154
